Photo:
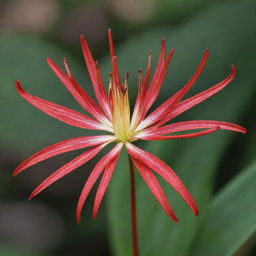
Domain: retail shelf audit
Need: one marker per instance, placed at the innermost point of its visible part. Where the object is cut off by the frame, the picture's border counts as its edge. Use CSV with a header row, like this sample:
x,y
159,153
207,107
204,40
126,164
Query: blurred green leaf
x,y
231,219
229,31
9,251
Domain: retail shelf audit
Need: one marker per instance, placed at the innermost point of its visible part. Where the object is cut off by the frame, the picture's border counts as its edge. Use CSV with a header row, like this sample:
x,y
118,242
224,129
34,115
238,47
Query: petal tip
x,y
78,219
175,220
18,87
196,212
173,217
233,69
94,215
17,83
83,41
243,130
49,60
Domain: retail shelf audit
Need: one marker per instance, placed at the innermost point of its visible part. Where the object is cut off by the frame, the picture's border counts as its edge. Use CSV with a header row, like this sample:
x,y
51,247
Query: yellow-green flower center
x,y
121,113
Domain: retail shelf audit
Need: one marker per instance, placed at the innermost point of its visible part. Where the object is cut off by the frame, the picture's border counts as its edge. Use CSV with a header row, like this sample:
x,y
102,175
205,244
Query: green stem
x,y
133,210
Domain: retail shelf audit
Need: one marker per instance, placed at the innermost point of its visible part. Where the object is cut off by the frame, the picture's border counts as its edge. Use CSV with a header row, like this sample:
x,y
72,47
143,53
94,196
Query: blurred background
x,y
31,30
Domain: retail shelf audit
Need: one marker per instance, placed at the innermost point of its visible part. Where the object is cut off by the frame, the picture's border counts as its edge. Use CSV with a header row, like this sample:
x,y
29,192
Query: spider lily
x,y
111,113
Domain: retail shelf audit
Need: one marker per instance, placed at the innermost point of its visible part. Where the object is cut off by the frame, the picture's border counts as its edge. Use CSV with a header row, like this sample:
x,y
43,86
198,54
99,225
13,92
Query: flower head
x,y
111,113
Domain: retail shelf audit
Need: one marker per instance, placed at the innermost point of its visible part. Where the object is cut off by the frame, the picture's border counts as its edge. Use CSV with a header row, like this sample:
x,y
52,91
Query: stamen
x,y
127,74
67,67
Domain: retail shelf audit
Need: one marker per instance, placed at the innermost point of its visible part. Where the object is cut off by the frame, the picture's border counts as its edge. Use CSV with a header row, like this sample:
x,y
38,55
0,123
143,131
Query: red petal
x,y
76,90
154,88
60,148
61,113
94,176
198,98
164,171
147,75
161,111
198,124
113,59
111,44
99,89
103,185
115,72
105,102
155,188
67,168
139,108
181,136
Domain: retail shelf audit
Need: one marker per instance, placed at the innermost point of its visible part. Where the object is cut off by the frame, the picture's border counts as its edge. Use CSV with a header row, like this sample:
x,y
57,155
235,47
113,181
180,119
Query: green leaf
x,y
9,251
229,31
231,219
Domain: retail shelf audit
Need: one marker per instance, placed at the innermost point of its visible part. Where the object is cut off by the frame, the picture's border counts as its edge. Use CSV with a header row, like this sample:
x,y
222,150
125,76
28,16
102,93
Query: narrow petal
x,y
161,111
164,171
98,169
99,89
111,44
198,98
104,101
155,85
110,167
62,147
155,188
197,124
67,168
113,58
139,107
61,113
150,93
76,90
147,75
180,136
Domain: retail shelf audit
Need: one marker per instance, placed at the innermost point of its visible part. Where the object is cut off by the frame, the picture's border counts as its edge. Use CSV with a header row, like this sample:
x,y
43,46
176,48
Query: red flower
x,y
112,114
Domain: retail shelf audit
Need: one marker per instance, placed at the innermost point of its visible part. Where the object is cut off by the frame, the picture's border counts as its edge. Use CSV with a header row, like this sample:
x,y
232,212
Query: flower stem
x,y
133,210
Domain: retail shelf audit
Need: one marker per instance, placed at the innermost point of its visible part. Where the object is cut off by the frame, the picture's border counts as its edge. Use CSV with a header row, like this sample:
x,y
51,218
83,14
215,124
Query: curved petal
x,y
76,90
67,168
197,124
155,85
139,108
164,171
180,136
196,99
98,169
99,89
113,58
61,113
155,188
62,147
110,167
161,111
